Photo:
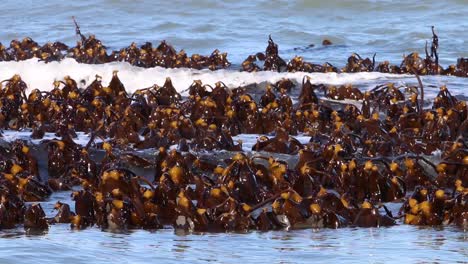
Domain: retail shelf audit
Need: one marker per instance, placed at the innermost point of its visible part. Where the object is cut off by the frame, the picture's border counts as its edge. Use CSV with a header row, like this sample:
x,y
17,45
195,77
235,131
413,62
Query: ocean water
x,y
388,28
401,243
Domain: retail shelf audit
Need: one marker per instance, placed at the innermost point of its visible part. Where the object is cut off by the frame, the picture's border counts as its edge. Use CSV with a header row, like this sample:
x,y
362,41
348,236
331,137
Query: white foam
x,y
12,135
41,75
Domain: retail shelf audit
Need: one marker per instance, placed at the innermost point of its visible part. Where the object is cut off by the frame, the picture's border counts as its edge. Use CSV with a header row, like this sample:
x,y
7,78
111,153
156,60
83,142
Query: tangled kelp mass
x,y
91,50
375,147
411,63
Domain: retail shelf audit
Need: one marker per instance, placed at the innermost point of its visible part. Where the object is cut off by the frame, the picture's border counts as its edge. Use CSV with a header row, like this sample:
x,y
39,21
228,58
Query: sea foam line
x,y
41,75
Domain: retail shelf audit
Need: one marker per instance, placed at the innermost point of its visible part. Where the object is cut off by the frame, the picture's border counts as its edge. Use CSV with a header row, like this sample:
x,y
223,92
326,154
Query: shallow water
x,y
400,243
406,244
389,28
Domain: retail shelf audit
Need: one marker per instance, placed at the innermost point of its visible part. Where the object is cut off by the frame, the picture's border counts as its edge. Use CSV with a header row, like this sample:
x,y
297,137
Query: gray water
x,y
389,28
401,243
411,245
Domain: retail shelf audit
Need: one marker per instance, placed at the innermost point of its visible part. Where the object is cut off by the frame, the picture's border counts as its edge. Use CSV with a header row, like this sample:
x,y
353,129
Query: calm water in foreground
x,y
402,243
390,28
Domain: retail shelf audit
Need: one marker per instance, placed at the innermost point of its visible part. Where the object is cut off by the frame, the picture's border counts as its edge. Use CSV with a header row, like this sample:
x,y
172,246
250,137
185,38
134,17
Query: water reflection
x,y
283,235
11,233
318,235
400,243
34,233
180,247
430,238
117,241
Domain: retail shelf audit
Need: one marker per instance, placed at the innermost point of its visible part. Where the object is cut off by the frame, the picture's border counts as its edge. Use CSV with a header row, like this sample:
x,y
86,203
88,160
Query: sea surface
x,y
388,28
397,244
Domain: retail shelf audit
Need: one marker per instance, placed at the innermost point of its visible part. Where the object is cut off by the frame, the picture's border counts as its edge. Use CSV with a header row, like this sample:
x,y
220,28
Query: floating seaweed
x,y
359,157
91,50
